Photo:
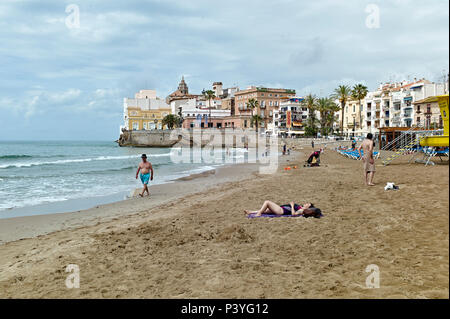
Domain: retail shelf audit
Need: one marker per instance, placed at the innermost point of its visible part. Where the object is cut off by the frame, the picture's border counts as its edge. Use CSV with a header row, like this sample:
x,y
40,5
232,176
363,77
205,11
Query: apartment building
x,y
390,105
428,114
269,100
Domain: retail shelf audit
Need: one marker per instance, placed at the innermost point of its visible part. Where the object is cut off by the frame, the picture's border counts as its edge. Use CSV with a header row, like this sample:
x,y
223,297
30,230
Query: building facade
x,y
292,117
428,114
145,112
269,100
390,105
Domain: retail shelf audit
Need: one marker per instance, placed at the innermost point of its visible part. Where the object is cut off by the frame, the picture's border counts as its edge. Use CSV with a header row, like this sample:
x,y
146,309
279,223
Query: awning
x,y
296,132
408,98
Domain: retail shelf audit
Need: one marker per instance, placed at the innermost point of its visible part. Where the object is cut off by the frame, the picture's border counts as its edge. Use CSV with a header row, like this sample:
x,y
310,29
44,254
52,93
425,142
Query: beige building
x,y
428,114
269,99
353,118
145,112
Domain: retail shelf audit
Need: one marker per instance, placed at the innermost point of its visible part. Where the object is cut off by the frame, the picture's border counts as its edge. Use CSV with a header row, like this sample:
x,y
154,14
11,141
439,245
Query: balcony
x,y
407,116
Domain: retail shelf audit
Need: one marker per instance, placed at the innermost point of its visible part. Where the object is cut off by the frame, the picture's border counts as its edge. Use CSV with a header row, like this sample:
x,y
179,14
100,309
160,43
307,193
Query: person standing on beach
x,y
145,168
367,158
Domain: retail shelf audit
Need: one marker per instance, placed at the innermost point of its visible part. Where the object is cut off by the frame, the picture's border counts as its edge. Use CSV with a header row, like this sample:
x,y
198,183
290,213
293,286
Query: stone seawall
x,y
154,138
191,138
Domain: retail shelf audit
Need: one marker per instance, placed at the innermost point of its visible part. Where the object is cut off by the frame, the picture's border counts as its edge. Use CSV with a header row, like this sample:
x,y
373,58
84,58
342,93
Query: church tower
x,y
182,87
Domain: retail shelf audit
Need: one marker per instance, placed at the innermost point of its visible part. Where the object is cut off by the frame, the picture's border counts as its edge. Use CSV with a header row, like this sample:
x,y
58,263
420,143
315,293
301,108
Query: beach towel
x,y
253,215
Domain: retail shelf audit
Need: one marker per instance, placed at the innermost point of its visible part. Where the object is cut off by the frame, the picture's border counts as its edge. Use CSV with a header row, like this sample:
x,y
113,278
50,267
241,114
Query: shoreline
x,y
58,217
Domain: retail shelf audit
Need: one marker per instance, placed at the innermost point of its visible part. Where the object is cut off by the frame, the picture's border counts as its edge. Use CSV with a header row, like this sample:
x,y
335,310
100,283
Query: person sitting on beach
x,y
306,210
314,155
145,168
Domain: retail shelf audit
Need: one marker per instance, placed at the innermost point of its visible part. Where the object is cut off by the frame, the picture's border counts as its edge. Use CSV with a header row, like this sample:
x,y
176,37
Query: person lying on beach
x,y
306,210
145,168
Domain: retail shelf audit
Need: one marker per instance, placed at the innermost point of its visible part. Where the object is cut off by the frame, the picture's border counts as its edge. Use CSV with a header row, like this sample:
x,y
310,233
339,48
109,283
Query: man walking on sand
x,y
367,158
145,168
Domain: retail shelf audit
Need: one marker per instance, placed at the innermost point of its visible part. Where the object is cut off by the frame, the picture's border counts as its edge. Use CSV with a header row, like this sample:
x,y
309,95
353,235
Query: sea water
x,y
36,173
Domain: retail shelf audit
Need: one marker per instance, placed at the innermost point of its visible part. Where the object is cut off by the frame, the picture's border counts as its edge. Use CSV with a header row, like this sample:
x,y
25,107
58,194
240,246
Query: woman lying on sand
x,y
307,210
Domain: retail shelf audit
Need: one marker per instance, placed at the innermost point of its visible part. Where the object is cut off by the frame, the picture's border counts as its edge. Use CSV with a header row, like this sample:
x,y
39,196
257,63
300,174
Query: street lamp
x,y
354,124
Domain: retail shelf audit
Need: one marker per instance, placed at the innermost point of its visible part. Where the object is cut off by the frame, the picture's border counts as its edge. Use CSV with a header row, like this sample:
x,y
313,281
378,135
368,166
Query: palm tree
x,y
255,119
253,104
209,95
359,92
327,109
343,94
171,120
310,102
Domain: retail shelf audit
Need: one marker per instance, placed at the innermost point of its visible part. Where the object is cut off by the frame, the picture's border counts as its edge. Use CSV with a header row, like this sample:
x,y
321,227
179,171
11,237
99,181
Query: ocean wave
x,y
89,172
80,160
14,156
17,156
68,161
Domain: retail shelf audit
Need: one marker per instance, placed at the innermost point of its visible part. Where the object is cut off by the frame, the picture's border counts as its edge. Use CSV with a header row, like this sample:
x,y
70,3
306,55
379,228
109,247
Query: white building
x,y
298,117
391,105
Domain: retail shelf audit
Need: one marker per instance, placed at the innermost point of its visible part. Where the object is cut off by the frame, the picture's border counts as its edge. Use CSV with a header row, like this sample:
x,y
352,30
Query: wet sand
x,y
202,246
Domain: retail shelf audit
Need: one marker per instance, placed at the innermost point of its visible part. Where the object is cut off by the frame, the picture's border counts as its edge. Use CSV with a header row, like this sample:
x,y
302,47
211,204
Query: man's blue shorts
x,y
145,178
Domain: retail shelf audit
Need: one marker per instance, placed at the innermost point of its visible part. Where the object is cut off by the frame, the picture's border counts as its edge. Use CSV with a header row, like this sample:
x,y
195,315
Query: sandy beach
x,y
192,240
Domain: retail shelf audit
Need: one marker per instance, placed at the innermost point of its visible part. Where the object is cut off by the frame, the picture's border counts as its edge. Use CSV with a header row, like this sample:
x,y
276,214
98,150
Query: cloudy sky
x,y
60,80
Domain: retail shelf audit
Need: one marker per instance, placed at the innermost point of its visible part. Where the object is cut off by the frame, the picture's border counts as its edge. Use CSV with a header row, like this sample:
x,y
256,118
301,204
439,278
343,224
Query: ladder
x,y
405,146
405,143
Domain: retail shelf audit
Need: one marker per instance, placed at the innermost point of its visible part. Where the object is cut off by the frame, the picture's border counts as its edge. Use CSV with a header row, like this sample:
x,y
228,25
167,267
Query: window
x,y
245,123
135,126
418,108
145,125
354,109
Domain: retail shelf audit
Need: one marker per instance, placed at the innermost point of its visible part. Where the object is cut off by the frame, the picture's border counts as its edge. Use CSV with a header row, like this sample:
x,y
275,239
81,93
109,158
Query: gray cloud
x,y
121,47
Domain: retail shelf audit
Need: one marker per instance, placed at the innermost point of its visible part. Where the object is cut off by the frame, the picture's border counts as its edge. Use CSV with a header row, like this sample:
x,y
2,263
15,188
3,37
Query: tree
x,y
253,104
310,102
343,94
359,92
171,120
180,116
327,109
255,119
209,95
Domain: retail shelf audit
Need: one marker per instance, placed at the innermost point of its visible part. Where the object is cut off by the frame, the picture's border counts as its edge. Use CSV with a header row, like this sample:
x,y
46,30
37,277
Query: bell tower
x,y
182,87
